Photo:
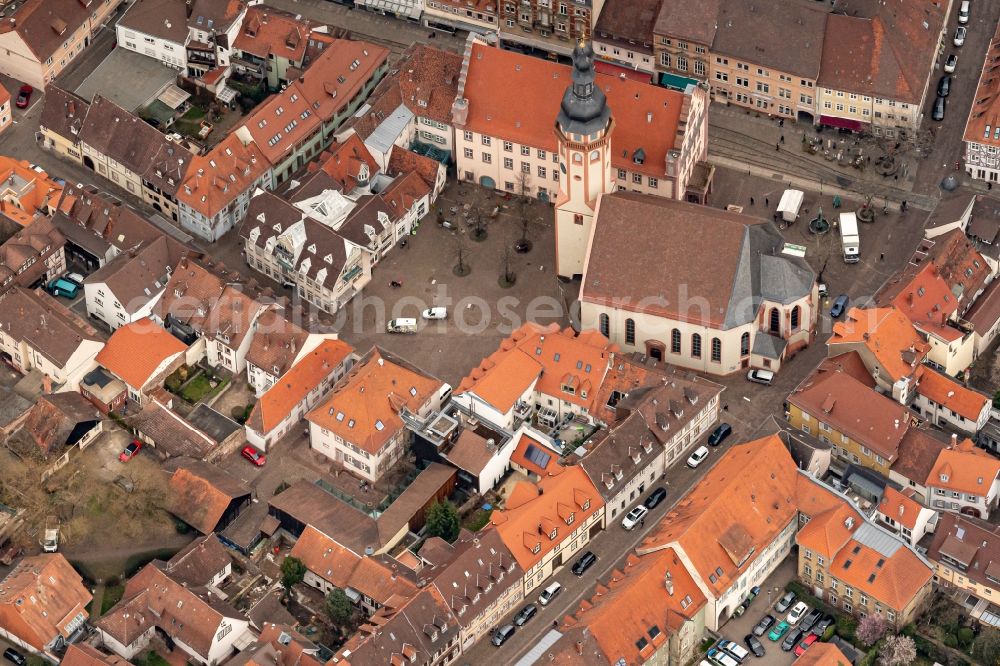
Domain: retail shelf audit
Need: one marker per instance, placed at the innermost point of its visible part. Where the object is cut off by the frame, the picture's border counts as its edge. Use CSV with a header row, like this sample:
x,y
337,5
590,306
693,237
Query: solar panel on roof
x,y
536,456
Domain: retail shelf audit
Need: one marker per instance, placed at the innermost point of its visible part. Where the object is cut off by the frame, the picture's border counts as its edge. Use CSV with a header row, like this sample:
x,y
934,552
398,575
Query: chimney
x,y
46,384
954,440
579,647
668,581
897,424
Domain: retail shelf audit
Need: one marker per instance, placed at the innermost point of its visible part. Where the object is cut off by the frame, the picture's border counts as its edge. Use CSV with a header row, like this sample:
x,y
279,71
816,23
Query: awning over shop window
x,y
842,123
676,82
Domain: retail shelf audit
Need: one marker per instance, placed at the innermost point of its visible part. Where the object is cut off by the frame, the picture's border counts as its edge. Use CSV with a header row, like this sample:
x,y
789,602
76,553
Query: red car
x,y
24,96
129,452
801,648
254,456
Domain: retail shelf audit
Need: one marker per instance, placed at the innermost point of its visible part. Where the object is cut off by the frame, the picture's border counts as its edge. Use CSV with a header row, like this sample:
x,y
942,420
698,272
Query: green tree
x,y
986,648
292,573
442,521
339,607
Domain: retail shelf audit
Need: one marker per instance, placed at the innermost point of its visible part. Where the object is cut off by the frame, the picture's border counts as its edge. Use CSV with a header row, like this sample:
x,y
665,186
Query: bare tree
x,y
507,275
523,186
462,267
478,226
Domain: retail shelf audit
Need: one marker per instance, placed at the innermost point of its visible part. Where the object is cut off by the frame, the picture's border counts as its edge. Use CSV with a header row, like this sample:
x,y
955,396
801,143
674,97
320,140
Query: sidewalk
x,y
743,141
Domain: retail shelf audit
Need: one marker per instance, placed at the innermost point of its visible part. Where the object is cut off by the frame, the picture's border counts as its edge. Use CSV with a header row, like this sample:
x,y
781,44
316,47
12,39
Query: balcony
x,y
351,274
522,412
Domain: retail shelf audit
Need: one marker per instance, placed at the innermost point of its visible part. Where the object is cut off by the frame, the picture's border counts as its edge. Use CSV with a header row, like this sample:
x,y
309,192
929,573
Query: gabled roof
x,y
883,50
901,506
879,565
135,278
850,407
344,162
964,467
826,533
46,325
641,606
55,417
22,256
731,516
986,312
85,654
339,73
364,408
200,492
888,335
135,351
478,571
96,221
512,96
40,597
823,654
403,161
163,19
377,578
308,504
215,180
304,377
63,112
276,343
279,645
983,125
199,562
559,363
918,453
44,25
665,274
553,506
121,136
215,15
972,542
270,32
790,40
188,615
948,393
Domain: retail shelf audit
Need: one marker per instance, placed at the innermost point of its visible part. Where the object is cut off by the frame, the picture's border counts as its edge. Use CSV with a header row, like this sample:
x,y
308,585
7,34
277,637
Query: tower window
x,y
577,158
578,218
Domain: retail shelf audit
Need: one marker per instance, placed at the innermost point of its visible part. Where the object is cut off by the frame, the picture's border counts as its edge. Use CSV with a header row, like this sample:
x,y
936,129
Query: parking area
x,y
146,77
738,628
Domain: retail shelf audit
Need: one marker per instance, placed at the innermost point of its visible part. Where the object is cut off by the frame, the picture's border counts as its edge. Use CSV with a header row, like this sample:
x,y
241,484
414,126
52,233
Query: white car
x,y
960,33
634,517
74,277
950,64
797,612
435,313
697,457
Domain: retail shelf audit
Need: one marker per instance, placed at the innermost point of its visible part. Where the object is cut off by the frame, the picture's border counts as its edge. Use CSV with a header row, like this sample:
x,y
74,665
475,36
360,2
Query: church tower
x,y
583,130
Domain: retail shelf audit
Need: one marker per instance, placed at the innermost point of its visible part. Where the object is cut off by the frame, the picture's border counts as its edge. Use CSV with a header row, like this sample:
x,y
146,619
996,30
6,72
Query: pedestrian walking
x,y
781,122
777,146
881,256
642,522
767,203
751,201
782,138
902,206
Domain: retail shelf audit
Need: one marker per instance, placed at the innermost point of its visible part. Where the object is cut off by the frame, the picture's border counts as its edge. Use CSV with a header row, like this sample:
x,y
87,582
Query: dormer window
x,y
554,533
944,478
586,504
537,549
570,518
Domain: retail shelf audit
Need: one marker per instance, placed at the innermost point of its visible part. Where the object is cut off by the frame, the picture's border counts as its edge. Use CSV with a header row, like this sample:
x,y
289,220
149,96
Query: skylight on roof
x,y
340,416
350,424
556,357
413,391
379,425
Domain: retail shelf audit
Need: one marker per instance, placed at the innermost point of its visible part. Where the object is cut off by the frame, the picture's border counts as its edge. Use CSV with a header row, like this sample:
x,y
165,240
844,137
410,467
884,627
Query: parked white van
x,y
402,325
963,12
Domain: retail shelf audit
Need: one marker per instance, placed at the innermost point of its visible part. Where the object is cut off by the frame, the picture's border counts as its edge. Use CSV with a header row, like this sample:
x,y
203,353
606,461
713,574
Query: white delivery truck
x,y
791,202
402,325
849,237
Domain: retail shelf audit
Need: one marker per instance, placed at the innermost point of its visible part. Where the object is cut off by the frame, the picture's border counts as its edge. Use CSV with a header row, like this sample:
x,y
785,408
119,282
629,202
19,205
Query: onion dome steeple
x,y
584,109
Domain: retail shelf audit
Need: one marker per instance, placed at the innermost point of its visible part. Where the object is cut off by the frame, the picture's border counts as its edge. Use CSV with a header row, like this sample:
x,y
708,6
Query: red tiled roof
x,y
343,162
887,333
40,596
515,97
558,506
214,180
135,351
948,393
964,468
289,391
900,506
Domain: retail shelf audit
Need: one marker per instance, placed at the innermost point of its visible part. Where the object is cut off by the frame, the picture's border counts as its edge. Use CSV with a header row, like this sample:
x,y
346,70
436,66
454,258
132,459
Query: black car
x,y
937,112
761,627
10,654
719,434
839,305
655,498
502,634
810,620
754,645
792,639
944,86
825,623
525,614
585,562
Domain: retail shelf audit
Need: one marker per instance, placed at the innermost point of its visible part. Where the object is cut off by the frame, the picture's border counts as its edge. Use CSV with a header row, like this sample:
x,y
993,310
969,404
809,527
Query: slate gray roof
x,y
63,112
365,215
784,279
683,261
789,39
767,345
165,19
693,21
49,327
